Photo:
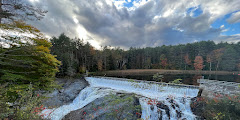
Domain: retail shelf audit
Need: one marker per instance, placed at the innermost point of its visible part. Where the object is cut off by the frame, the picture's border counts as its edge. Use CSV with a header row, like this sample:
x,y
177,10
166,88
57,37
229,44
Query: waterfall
x,y
158,101
86,96
166,109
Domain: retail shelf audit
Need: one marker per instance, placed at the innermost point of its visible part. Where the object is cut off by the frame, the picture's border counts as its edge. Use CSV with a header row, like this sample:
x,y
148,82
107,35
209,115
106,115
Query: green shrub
x,y
223,108
177,81
157,77
4,106
26,107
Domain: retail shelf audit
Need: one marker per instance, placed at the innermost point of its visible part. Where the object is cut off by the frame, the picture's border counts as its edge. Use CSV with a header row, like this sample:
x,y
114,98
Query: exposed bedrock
x,y
103,109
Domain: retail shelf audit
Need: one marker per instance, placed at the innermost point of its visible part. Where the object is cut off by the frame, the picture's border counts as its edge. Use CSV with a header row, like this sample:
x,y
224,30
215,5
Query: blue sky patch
x,y
195,11
128,4
231,29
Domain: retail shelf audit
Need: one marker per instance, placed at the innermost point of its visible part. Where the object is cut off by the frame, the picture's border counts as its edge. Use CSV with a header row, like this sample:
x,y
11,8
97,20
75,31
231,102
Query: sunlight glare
x,y
34,0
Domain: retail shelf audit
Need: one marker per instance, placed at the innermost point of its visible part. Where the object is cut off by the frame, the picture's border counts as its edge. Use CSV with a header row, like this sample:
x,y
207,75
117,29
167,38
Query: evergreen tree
x,y
229,59
63,48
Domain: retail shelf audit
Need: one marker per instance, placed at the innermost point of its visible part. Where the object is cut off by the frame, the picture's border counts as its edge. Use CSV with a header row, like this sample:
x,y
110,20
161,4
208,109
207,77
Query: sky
x,y
141,23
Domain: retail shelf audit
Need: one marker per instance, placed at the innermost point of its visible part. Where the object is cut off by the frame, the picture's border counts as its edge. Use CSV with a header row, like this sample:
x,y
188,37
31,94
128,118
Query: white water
x,y
161,94
85,97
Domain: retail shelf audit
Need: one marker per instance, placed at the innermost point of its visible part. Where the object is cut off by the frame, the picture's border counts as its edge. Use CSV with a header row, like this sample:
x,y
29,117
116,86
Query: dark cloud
x,y
154,23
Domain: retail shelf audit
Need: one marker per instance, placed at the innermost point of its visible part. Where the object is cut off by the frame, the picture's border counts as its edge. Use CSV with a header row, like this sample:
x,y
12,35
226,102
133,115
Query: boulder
x,y
70,89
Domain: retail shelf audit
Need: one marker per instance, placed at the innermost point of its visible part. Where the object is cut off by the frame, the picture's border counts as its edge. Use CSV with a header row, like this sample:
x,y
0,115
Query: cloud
x,y
146,23
235,18
230,39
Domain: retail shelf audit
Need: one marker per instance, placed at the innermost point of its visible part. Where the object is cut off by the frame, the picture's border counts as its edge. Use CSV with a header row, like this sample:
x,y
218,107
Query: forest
x,y
77,56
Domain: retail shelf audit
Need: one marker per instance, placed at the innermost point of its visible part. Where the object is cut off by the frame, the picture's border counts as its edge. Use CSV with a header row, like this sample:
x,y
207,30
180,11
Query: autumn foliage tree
x,y
26,59
100,65
163,60
187,61
198,63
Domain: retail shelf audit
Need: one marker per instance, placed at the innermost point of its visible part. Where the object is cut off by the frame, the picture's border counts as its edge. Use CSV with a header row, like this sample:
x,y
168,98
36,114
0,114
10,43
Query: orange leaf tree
x,y
198,63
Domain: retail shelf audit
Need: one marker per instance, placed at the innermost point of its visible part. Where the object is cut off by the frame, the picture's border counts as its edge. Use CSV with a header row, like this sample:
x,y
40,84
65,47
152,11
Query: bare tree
x,y
19,9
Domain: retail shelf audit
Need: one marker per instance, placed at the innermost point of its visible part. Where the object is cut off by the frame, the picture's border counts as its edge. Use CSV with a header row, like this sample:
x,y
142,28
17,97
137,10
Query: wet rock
x,y
197,107
173,104
183,100
165,107
160,114
70,89
200,92
152,107
179,114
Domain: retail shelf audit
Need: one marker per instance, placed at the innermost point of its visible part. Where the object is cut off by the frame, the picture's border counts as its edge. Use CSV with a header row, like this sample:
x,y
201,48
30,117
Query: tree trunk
x,y
105,61
210,66
217,66
1,11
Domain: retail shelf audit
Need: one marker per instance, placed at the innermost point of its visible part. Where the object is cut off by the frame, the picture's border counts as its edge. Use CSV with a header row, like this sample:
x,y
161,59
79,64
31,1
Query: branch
x,y
19,72
14,60
15,49
7,4
16,55
9,64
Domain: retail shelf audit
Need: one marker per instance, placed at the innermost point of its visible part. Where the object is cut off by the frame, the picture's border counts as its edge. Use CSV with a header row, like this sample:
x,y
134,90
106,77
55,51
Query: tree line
x,y
77,56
